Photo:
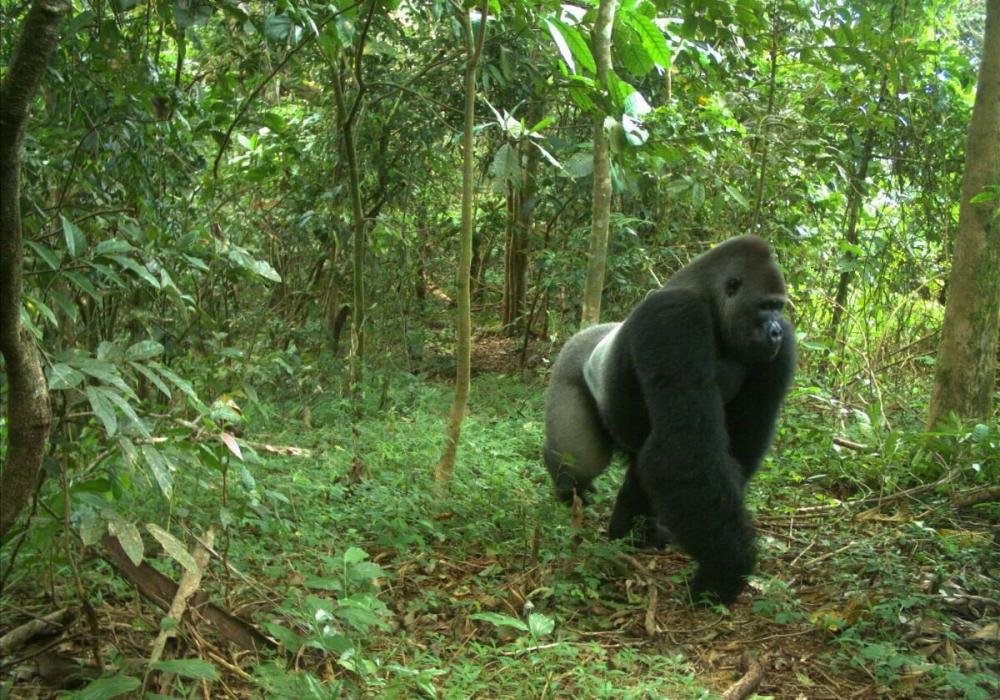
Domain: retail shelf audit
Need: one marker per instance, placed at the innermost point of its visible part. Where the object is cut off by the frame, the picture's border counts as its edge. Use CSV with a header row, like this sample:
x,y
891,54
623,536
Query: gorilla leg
x,y
632,504
703,509
577,446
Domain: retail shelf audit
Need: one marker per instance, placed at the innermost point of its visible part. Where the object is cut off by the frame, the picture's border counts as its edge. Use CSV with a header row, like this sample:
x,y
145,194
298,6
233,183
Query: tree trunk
x,y
522,218
348,120
762,142
28,412
856,200
463,351
600,42
966,361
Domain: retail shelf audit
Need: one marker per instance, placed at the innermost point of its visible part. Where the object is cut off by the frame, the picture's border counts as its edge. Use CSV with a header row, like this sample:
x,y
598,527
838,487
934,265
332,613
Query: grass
x,y
376,583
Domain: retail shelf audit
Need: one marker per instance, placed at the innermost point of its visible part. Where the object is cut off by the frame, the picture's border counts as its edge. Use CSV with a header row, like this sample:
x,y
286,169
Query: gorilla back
x,y
689,387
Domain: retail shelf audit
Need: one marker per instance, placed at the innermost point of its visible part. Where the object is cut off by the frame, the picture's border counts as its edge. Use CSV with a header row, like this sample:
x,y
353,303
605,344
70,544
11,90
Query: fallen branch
x,y
161,590
753,674
21,635
976,496
650,621
879,500
849,444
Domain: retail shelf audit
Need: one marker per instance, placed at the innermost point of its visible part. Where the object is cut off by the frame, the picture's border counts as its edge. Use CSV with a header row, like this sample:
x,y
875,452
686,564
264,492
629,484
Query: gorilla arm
x,y
693,485
751,415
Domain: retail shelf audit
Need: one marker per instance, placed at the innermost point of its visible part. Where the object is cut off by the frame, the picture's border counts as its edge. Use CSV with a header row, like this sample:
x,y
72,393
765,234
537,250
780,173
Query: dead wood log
x,y
753,674
161,590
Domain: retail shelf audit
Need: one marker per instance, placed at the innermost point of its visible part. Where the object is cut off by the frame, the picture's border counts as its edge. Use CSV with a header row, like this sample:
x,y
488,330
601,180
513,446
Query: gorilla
x,y
689,387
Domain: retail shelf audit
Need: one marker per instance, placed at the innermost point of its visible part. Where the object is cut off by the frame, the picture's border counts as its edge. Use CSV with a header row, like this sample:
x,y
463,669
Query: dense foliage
x,y
194,263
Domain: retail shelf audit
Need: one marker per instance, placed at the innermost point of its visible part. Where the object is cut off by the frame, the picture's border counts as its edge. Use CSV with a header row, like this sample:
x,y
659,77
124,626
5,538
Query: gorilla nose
x,y
774,332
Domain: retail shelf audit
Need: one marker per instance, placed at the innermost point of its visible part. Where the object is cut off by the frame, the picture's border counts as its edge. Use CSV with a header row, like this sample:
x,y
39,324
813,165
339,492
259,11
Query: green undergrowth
x,y
377,582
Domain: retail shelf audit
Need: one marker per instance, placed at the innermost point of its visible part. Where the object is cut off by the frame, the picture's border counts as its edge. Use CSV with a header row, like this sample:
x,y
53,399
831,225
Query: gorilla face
x,y
749,296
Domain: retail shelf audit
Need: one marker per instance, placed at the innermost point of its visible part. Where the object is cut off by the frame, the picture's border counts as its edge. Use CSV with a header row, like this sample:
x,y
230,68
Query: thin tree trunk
x,y
348,121
463,351
856,200
777,30
522,218
966,362
28,412
600,41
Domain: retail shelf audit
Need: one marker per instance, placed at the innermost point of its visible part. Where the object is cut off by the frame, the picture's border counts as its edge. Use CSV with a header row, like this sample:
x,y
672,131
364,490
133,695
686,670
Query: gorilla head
x,y
689,387
747,294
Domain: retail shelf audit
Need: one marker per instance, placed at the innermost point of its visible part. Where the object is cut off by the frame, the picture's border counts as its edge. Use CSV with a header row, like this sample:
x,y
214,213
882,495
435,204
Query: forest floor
x,y
375,584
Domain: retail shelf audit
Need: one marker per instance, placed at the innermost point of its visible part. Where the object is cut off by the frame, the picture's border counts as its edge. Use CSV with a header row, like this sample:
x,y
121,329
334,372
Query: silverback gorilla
x,y
689,387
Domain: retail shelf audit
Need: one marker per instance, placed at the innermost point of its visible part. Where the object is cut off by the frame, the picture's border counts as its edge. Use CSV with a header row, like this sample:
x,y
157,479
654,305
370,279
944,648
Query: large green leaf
x,y
129,537
144,350
102,409
653,43
573,48
105,688
76,242
173,547
161,469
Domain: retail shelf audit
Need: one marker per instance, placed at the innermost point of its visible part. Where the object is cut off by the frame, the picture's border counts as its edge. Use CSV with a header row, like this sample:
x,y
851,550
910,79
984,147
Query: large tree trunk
x,y
600,42
463,350
966,362
29,414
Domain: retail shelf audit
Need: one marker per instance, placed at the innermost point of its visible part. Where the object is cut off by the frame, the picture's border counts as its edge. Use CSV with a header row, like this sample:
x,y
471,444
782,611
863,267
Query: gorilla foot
x,y
709,587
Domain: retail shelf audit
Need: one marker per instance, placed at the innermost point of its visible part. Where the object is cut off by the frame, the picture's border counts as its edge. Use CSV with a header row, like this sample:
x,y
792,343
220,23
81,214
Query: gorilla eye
x,y
733,285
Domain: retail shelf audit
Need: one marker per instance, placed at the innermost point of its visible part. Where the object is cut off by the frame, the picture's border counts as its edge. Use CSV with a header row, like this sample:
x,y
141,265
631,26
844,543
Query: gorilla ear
x,y
733,285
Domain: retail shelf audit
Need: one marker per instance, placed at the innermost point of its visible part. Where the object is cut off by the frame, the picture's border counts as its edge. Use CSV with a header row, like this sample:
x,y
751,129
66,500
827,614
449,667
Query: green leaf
x,y
277,28
540,625
561,45
106,372
161,468
195,669
76,242
506,167
292,641
143,350
140,270
258,267
152,377
182,384
62,376
500,620
125,407
353,555
41,307
114,246
92,527
104,688
103,410
46,254
83,283
580,164
173,547
654,44
628,47
697,195
129,537
572,46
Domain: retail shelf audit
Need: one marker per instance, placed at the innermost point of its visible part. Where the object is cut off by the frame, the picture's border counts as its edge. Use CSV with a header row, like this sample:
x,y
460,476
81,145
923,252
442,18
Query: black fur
x,y
690,387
